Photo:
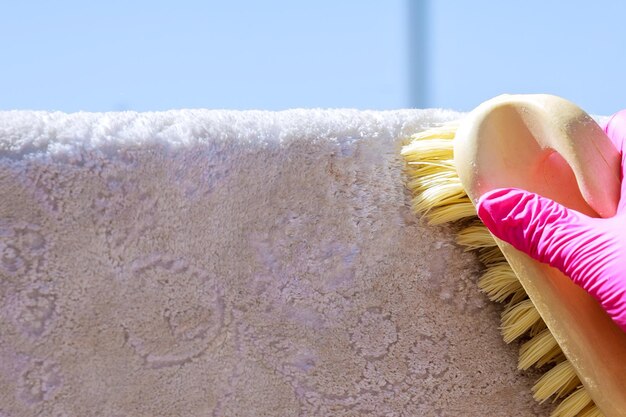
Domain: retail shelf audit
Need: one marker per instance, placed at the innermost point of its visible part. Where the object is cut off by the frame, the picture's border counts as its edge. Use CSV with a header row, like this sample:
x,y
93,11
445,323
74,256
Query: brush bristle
x,y
491,256
555,381
591,411
538,350
475,237
573,405
499,282
518,319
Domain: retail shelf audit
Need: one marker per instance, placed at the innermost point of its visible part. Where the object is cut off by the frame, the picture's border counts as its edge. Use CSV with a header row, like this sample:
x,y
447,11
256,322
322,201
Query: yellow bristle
x,y
519,296
555,355
535,349
591,411
426,150
447,214
537,328
430,179
572,405
555,381
445,194
518,319
444,131
499,282
490,256
475,237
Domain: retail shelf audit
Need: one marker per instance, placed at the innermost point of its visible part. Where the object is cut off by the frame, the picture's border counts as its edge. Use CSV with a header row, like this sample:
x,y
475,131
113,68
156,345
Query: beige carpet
x,y
207,263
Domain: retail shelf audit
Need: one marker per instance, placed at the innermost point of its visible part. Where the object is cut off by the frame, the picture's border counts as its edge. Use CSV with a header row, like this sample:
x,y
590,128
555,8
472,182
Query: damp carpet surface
x,y
224,263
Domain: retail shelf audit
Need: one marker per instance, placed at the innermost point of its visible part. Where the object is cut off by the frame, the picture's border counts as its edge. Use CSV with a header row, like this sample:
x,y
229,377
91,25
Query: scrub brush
x,y
537,316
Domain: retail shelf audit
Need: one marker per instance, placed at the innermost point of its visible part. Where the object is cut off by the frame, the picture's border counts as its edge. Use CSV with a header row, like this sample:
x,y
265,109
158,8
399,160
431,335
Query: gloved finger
x,y
588,250
537,226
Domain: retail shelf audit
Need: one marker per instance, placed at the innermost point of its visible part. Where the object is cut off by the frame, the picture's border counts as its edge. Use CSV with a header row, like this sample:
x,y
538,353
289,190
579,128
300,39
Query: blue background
x,y
277,54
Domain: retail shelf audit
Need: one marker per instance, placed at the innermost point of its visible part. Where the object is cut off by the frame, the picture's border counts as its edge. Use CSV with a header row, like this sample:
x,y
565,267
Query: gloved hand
x,y
591,251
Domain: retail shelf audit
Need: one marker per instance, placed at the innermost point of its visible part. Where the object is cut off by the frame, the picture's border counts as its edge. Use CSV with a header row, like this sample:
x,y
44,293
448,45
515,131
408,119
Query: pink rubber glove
x,y
591,251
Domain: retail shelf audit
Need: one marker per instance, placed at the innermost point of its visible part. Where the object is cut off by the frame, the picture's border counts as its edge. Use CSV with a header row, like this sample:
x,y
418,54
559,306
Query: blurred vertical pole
x,y
418,52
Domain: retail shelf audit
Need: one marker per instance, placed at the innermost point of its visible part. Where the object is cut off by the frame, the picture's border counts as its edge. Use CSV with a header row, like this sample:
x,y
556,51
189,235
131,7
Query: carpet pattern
x,y
222,263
